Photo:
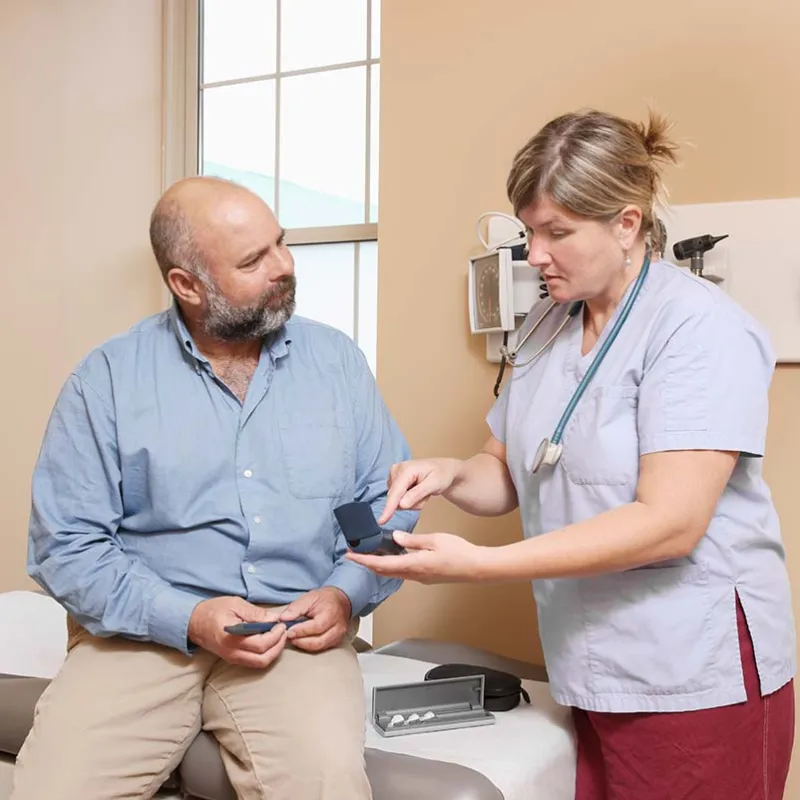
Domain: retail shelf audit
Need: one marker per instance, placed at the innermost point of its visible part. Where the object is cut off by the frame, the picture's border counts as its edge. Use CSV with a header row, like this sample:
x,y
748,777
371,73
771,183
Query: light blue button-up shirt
x,y
156,488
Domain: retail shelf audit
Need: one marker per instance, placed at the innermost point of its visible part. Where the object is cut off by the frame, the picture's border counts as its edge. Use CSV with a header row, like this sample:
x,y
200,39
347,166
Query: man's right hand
x,y
206,630
412,483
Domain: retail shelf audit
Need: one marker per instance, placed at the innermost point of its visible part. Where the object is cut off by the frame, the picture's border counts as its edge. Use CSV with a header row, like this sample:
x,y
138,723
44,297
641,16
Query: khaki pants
x,y
118,717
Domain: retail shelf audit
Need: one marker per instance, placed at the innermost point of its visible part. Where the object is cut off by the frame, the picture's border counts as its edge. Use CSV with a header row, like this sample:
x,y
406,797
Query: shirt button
x,y
248,473
251,569
257,520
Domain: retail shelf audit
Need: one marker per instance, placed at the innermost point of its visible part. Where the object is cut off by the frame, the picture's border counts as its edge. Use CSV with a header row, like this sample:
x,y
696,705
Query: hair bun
x,y
656,140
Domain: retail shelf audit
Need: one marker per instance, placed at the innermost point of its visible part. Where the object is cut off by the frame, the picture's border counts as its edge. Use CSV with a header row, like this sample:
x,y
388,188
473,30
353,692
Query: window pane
x,y
376,29
317,33
367,338
323,148
238,140
239,39
326,283
374,142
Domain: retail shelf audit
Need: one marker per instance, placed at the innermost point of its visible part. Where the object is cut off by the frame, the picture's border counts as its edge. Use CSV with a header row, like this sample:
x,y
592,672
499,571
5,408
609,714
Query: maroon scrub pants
x,y
738,752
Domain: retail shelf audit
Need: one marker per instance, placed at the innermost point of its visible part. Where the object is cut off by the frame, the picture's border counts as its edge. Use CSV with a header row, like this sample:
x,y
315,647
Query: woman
x,y
655,551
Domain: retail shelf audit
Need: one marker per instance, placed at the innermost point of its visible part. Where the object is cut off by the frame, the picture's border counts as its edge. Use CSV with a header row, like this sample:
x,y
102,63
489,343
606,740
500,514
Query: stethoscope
x,y
550,450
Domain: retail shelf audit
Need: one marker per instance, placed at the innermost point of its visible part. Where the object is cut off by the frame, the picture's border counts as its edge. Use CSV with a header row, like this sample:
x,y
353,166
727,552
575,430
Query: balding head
x,y
223,256
185,210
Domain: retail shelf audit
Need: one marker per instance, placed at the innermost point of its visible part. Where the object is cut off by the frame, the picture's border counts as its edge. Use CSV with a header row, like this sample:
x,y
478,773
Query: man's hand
x,y
328,610
206,630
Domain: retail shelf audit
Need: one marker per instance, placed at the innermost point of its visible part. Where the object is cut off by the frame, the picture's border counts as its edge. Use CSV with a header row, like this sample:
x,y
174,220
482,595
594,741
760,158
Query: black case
x,y
501,690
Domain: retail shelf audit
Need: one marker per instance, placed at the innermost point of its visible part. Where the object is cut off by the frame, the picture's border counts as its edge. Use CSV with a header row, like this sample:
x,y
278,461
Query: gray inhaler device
x,y
362,531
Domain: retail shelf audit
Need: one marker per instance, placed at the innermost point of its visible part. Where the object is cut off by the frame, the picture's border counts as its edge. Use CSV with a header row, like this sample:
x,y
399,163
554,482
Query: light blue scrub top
x,y
690,370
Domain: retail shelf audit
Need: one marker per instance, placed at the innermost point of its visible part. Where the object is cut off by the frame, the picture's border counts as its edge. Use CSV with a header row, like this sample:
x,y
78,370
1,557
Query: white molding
x,y
179,145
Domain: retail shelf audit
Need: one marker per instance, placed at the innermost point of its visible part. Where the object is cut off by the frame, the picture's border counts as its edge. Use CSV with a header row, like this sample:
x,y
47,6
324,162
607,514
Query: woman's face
x,y
578,258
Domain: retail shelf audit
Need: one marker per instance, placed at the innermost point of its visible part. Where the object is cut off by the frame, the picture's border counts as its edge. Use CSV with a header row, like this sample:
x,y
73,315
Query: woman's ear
x,y
185,286
630,223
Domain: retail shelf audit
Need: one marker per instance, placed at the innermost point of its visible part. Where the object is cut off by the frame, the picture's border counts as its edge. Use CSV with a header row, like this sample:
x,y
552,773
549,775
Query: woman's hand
x,y
412,483
431,558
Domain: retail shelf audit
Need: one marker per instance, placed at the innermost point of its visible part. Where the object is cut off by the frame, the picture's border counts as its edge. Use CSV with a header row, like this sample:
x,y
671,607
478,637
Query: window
x,y
287,104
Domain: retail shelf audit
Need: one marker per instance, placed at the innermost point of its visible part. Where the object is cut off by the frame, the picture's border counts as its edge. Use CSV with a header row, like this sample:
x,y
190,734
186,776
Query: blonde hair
x,y
594,164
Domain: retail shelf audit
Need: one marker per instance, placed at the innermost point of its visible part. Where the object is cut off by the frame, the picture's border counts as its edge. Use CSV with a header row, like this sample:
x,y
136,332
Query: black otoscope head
x,y
362,531
696,245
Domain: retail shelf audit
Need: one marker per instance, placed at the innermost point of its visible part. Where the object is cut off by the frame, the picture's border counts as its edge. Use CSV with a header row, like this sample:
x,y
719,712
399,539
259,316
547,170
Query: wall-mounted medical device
x,y
694,250
503,287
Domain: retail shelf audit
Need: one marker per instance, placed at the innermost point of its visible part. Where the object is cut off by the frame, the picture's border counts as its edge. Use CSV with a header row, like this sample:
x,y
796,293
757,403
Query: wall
x,y
463,86
80,169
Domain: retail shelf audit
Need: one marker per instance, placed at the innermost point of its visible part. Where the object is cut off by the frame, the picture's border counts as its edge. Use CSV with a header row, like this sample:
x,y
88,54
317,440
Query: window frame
x,y
182,114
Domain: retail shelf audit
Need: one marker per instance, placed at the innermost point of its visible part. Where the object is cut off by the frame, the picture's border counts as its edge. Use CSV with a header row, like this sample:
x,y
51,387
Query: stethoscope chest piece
x,y
548,453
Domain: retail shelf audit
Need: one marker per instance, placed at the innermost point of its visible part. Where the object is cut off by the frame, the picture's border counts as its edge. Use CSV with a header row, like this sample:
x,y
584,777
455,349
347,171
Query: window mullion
x,y
277,108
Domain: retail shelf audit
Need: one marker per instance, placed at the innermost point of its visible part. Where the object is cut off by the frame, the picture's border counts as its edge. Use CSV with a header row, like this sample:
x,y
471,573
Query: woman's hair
x,y
594,164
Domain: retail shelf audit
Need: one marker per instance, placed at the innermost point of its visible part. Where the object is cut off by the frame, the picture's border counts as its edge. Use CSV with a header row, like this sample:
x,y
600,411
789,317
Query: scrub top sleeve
x,y
707,387
496,418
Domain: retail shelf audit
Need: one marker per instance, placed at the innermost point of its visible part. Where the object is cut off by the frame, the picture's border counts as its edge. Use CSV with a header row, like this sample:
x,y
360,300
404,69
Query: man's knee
x,y
319,768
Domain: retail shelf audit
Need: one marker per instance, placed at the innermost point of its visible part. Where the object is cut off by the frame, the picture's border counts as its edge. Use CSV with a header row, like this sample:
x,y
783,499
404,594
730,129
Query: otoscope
x,y
694,249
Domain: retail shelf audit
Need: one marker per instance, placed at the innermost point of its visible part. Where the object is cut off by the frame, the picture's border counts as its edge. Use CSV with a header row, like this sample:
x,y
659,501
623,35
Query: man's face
x,y
249,284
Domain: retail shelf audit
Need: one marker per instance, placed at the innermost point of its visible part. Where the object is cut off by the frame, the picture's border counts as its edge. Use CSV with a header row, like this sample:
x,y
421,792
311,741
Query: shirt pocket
x,y
313,453
647,630
601,442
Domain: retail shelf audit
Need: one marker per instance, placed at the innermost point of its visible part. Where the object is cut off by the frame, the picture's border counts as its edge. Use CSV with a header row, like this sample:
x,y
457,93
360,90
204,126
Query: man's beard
x,y
231,323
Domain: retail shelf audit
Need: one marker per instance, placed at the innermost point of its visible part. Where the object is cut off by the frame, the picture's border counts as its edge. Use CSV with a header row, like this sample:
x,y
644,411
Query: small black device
x,y
694,249
362,531
251,628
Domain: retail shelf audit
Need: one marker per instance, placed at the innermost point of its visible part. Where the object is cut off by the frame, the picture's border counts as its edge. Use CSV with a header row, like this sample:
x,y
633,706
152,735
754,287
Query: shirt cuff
x,y
170,612
357,582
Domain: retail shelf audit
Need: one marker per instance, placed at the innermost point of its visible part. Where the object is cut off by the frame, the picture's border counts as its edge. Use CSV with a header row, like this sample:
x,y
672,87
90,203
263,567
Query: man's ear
x,y
185,286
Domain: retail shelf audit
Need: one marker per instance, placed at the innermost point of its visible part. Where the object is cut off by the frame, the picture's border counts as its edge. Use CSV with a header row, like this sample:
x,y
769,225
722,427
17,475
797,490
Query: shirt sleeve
x,y
379,444
496,418
707,387
73,550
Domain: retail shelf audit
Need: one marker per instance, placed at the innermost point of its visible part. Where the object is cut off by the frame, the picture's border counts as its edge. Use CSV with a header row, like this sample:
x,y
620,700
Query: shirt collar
x,y
276,343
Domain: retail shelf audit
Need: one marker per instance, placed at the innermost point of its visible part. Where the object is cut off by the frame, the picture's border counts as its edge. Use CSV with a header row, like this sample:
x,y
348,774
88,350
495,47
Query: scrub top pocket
x,y
601,443
647,630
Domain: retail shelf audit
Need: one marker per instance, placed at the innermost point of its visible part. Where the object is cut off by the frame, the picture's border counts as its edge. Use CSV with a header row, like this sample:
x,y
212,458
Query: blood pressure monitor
x,y
491,308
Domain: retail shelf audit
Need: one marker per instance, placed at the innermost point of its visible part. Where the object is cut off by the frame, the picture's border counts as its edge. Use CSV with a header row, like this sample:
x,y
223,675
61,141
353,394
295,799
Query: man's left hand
x,y
328,611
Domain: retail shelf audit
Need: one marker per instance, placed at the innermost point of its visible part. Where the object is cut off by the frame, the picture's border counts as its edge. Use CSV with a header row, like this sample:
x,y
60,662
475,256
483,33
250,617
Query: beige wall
x,y
80,168
463,85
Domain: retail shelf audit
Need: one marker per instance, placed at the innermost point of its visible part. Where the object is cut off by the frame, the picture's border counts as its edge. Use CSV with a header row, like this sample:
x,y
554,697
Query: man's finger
x,y
297,608
316,625
248,612
245,658
259,642
316,644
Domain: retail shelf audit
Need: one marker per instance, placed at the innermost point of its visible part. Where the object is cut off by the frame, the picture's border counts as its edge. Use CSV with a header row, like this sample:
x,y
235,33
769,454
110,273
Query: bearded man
x,y
186,484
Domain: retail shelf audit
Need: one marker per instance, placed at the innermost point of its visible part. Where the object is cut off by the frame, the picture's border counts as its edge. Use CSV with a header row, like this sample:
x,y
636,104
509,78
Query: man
x,y
186,483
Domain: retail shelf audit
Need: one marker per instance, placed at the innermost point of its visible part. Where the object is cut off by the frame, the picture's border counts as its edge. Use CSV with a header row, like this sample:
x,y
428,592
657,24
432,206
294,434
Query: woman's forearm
x,y
626,537
483,487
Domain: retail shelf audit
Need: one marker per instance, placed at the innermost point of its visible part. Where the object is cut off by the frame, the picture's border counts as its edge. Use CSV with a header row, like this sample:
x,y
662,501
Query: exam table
x,y
529,753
